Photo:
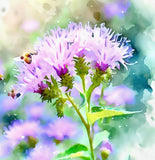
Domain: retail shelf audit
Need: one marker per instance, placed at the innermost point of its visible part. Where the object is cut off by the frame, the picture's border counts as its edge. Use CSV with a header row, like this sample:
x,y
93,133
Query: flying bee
x,y
1,77
28,57
14,94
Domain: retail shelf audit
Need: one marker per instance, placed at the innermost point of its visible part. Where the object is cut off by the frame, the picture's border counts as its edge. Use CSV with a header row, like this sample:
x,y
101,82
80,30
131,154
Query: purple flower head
x,y
8,103
56,52
30,25
106,145
31,76
35,111
106,149
41,87
21,130
119,95
61,71
103,67
116,8
61,129
42,151
108,49
5,149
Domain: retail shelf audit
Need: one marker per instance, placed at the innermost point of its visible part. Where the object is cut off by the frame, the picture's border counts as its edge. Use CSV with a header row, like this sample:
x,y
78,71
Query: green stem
x,y
83,83
90,137
87,126
89,93
77,110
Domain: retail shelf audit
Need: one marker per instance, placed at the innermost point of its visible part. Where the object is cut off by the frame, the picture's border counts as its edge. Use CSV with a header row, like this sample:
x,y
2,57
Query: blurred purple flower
x,y
20,130
35,111
5,149
116,8
119,95
106,149
30,25
61,129
8,103
42,152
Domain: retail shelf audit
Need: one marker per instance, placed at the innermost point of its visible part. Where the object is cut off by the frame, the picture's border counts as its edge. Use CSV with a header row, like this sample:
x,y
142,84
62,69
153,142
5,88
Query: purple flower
x,y
108,50
42,152
116,8
31,76
35,111
106,149
55,53
61,129
106,145
5,148
119,95
21,130
8,103
30,25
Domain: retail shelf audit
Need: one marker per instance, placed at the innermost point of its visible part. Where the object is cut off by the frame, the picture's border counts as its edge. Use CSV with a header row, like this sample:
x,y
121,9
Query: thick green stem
x,y
77,110
87,126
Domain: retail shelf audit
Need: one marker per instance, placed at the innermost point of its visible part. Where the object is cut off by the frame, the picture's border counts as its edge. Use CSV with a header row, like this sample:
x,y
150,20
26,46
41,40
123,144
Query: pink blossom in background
x,y
35,111
42,151
116,8
61,129
8,103
30,25
20,130
119,95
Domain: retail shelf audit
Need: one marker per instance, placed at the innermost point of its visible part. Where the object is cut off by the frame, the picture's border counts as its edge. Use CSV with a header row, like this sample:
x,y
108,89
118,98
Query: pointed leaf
x,y
92,117
78,150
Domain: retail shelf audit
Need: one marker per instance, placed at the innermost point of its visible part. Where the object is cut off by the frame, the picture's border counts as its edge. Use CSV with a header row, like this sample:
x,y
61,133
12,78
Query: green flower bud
x,y
82,67
67,81
59,103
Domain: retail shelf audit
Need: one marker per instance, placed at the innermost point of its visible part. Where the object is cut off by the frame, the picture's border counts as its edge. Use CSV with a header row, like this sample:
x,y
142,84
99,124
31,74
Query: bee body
x,y
28,57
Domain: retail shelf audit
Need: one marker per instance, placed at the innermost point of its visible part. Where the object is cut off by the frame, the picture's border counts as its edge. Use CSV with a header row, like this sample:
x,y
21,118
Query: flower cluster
x,y
64,53
57,50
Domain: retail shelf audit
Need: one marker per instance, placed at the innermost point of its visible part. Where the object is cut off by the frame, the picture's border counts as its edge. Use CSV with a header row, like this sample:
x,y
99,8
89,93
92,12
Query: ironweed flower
x,y
61,129
119,95
65,53
116,8
21,130
42,151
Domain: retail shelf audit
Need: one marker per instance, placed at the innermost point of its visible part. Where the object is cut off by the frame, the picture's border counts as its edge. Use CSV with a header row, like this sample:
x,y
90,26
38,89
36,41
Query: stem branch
x,y
77,110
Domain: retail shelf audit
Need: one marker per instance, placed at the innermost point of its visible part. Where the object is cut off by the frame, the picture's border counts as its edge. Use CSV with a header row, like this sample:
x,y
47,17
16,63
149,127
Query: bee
x,y
28,57
1,77
14,94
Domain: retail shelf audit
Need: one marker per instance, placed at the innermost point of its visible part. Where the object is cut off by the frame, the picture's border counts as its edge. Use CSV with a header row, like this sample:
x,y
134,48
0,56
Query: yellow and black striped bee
x,y
28,57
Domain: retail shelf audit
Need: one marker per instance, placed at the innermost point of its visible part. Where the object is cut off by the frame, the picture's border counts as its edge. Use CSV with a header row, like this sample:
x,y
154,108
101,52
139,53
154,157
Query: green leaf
x,y
96,109
76,151
83,103
99,137
92,117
